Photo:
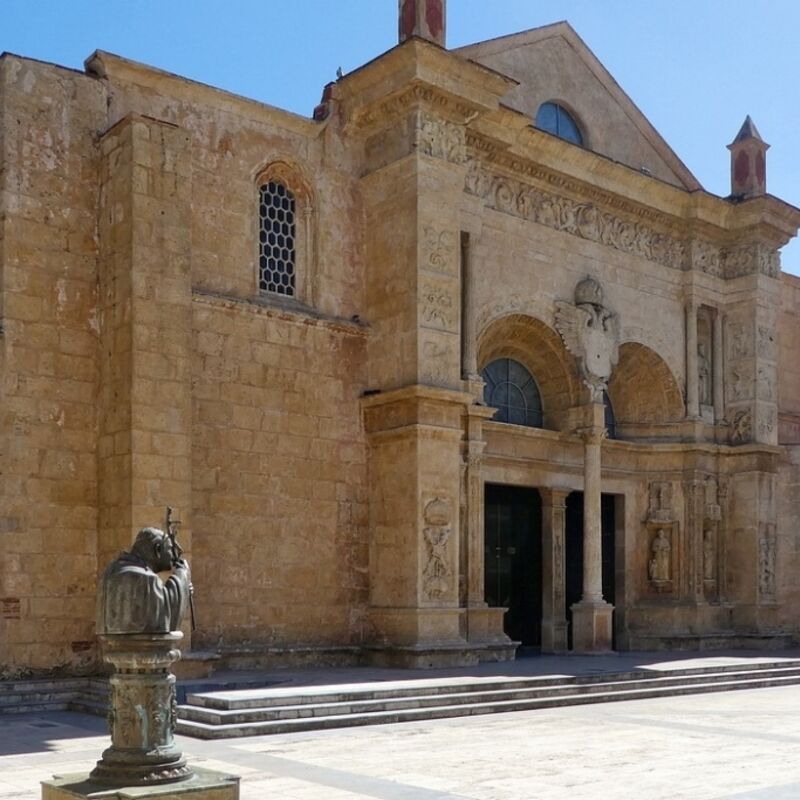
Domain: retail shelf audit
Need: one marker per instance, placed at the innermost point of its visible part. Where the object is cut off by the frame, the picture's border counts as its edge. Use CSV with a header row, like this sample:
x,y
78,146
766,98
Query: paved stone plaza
x,y
741,745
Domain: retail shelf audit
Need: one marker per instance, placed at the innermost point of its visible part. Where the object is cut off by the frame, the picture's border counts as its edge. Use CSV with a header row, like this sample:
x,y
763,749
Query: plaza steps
x,y
38,696
220,715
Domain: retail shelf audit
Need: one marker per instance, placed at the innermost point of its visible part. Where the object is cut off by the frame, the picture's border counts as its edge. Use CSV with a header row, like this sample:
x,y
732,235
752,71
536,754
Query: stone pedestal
x,y
591,627
203,784
142,712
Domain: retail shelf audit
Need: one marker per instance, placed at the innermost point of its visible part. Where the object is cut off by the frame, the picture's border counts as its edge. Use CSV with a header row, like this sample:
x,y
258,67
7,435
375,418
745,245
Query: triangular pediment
x,y
553,64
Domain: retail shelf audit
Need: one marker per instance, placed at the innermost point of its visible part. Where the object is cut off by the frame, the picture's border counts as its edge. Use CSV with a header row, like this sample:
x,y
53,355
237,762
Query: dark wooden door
x,y
574,552
513,559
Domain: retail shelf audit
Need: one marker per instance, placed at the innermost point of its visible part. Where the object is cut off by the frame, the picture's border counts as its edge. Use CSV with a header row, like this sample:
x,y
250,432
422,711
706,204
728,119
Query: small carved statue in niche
x,y
709,556
704,375
660,501
437,572
659,566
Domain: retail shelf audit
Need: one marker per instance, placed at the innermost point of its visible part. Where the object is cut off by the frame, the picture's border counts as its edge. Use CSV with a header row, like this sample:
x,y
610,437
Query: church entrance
x,y
513,559
573,547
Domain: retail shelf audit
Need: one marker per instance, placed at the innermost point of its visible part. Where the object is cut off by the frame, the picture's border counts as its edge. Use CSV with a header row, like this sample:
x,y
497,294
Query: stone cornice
x,y
416,72
294,312
684,238
107,66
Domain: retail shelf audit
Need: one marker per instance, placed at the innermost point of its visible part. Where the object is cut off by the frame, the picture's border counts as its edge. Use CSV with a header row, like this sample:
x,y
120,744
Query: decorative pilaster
x,y
692,391
719,374
554,621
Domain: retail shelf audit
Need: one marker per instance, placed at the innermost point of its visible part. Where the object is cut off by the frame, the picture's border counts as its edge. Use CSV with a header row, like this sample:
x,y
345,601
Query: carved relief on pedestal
x,y
439,250
591,333
741,430
438,305
766,561
437,574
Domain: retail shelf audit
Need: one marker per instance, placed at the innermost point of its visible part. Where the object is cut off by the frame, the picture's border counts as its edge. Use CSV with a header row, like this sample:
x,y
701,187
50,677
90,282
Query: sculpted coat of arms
x,y
591,333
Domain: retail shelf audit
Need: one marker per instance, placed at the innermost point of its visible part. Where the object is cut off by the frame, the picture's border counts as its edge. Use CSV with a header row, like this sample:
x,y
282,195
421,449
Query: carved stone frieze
x,y
585,220
705,257
439,138
389,109
437,574
750,259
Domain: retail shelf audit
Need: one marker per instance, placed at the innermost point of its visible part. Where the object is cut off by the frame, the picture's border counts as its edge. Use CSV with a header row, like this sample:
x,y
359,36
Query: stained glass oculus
x,y
276,239
512,390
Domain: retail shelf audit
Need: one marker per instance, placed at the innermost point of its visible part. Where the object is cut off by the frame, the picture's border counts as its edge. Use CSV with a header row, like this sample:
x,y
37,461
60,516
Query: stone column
x,y
719,380
692,393
470,355
591,617
554,621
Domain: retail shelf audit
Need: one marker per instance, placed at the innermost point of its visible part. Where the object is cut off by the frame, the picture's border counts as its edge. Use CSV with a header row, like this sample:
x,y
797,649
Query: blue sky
x,y
694,68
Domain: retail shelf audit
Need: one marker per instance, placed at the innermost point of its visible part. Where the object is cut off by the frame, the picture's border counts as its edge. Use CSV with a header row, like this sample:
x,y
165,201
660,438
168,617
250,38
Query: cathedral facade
x,y
465,361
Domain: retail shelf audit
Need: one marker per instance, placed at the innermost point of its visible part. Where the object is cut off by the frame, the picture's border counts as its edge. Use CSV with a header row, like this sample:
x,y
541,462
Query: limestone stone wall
x,y
49,118
279,478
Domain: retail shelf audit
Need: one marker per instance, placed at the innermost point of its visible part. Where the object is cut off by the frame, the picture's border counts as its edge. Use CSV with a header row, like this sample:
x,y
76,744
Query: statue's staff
x,y
170,529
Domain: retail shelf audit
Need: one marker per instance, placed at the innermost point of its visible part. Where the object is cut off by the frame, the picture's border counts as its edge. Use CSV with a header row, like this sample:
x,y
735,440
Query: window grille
x,y
277,239
512,390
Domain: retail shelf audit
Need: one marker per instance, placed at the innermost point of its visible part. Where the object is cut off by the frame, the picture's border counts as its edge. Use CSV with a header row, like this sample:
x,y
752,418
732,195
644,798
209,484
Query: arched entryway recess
x,y
643,390
540,349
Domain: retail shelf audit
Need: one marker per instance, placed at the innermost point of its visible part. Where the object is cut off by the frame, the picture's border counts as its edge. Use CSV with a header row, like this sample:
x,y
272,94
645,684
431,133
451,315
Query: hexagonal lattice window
x,y
276,239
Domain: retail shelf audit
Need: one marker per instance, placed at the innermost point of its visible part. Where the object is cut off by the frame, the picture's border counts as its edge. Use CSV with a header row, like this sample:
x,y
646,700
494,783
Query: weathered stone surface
x,y
313,441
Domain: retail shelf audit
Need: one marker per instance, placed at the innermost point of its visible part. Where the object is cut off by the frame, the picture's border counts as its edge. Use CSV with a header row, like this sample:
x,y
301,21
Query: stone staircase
x,y
256,712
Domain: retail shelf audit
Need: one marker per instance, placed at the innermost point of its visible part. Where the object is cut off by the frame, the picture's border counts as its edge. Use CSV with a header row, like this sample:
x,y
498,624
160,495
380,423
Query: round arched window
x,y
511,389
555,119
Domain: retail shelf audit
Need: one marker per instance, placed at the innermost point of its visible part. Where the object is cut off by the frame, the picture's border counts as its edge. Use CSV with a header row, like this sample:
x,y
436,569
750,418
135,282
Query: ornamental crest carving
x,y
591,333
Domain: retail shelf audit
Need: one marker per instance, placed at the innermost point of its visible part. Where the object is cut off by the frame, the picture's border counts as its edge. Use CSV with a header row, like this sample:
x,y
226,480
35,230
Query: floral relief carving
x,y
438,307
434,363
439,250
437,575
742,427
766,560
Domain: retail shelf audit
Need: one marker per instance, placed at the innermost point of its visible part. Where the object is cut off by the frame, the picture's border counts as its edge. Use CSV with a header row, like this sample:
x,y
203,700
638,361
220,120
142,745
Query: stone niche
x,y
661,538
